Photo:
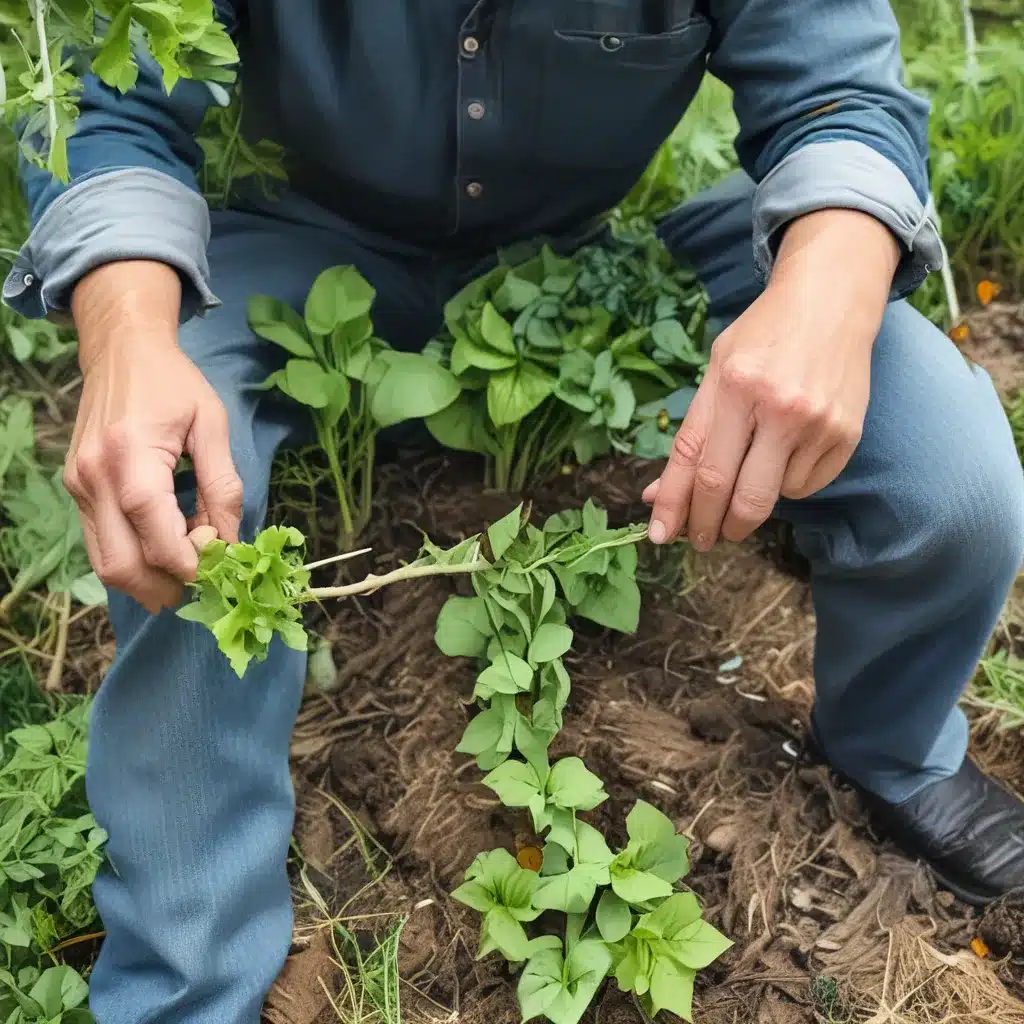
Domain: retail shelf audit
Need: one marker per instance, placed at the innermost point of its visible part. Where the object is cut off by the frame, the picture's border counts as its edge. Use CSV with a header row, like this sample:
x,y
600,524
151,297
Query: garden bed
x,y
830,923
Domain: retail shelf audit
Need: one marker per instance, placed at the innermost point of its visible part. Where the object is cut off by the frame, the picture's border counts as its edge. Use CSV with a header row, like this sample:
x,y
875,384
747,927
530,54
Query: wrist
x,y
134,302
846,253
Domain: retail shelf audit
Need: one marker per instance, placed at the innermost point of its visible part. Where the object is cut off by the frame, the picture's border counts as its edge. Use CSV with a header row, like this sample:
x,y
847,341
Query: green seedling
x,y
352,382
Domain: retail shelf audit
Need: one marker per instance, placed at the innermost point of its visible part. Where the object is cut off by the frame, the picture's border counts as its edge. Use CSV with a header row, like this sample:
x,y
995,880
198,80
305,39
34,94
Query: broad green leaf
x,y
114,65
515,293
463,629
572,786
466,354
613,604
306,382
502,932
541,983
277,322
595,518
509,674
572,892
496,330
513,394
549,642
699,945
338,295
635,886
614,918
671,989
412,387
474,895
483,732
515,782
647,824
670,337
502,533
462,426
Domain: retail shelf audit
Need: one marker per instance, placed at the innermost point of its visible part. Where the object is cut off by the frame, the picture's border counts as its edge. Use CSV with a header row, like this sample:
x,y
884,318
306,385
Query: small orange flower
x,y
980,948
530,858
987,291
960,333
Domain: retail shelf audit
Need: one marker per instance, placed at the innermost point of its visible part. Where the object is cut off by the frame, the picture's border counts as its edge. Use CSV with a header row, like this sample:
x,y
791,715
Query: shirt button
x,y
470,44
475,111
474,190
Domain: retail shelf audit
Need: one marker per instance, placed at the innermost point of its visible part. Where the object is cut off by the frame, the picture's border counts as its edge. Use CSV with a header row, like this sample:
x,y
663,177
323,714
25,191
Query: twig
x,y
336,558
53,677
406,572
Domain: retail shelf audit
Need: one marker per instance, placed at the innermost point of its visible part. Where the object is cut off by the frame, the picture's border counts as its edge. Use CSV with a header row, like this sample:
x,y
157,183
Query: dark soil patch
x,y
783,859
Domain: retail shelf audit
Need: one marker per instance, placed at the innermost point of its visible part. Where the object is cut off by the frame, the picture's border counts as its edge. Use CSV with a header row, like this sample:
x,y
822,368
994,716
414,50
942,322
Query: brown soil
x,y
782,857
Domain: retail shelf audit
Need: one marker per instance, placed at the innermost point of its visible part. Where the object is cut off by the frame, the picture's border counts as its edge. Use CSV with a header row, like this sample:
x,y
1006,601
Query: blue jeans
x,y
913,550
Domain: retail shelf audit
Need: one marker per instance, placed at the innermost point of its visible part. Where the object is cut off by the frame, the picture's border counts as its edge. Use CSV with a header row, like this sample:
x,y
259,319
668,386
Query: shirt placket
x,y
476,119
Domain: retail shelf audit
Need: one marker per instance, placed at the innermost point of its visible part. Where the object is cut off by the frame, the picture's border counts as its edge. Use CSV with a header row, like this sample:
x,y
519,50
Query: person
x,y
420,138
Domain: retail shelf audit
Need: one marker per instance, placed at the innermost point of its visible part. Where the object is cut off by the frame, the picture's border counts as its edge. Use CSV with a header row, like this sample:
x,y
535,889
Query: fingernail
x,y
657,532
700,542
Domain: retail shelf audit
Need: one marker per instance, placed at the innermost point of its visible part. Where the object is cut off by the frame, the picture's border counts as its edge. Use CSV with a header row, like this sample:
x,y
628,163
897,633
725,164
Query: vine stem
x,y
39,15
406,572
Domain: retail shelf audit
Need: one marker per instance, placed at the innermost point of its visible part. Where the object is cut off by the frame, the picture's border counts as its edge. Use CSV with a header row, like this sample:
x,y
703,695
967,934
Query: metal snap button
x,y
474,190
475,111
470,44
29,280
611,43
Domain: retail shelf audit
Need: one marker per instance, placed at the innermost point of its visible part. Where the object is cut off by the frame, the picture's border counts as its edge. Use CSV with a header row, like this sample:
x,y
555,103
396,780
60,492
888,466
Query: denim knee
x,y
960,505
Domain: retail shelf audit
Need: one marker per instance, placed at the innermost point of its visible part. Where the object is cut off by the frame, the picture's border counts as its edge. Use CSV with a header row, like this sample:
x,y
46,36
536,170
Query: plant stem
x,y
406,572
336,558
329,441
39,14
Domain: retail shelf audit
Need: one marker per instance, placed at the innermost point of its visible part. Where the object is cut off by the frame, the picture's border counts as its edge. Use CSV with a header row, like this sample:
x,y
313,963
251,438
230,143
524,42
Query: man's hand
x,y
781,407
143,404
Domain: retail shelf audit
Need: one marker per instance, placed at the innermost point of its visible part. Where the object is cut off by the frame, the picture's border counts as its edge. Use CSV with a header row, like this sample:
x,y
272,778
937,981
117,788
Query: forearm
x,y
133,301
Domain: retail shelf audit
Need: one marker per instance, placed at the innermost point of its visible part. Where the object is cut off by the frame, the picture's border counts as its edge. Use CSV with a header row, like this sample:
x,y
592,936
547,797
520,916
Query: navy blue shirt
x,y
448,124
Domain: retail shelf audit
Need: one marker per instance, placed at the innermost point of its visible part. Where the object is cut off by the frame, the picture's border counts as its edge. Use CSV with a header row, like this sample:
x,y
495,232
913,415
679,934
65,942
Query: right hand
x,y
144,403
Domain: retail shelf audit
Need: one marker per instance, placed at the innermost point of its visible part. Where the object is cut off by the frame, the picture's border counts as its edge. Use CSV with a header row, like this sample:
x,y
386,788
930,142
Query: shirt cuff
x,y
847,174
133,213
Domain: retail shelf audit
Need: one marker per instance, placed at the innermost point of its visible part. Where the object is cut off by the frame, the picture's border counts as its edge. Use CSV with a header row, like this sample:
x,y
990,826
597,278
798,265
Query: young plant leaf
x,y
277,322
549,642
338,295
614,918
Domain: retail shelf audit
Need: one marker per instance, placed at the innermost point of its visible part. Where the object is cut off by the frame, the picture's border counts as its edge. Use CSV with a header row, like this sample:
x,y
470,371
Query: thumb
x,y
218,486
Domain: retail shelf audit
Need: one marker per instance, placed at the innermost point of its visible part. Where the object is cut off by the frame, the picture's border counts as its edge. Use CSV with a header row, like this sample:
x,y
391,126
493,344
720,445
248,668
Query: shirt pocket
x,y
609,99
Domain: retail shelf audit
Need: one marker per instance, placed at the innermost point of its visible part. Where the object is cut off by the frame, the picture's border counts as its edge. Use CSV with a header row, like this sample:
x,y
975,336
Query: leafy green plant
x,y
554,355
50,851
352,382
46,46
40,530
999,686
623,911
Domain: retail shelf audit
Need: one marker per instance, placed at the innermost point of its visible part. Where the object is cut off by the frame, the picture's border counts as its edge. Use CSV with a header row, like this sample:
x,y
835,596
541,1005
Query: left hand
x,y
781,407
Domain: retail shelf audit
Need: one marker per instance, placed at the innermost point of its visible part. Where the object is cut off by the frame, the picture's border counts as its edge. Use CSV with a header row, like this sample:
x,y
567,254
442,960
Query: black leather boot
x,y
968,829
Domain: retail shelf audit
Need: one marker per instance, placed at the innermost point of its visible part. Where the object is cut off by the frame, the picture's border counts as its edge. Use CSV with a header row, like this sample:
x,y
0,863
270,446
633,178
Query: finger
x,y
671,497
758,483
218,486
201,536
828,466
650,492
122,564
146,492
715,478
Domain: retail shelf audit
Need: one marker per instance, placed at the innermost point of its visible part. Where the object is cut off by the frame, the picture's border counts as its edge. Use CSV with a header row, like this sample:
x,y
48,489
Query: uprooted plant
x,y
624,912
568,355
352,382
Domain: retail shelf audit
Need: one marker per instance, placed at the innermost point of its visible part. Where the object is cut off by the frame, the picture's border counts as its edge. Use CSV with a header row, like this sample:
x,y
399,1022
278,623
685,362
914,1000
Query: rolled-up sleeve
x,y
132,194
826,121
